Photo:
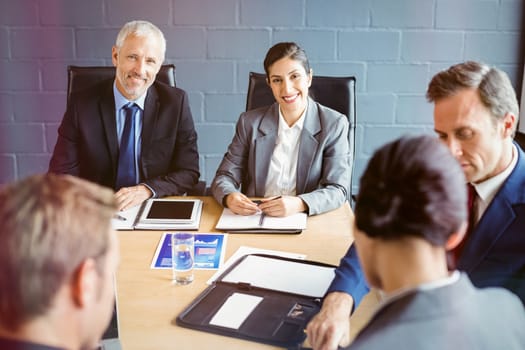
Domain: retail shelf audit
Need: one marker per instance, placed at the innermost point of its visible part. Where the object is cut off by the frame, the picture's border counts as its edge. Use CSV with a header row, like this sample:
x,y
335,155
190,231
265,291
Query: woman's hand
x,y
240,204
282,205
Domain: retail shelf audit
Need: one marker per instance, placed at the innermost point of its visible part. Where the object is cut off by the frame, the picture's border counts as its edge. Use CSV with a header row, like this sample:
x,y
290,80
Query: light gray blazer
x,y
323,166
457,316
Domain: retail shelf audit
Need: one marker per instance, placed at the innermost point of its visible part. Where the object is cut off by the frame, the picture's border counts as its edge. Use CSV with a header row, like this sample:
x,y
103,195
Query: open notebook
x,y
260,223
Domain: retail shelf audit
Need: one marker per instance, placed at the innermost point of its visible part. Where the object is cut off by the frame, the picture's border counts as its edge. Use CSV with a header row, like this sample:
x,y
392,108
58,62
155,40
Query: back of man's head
x,y
49,225
412,187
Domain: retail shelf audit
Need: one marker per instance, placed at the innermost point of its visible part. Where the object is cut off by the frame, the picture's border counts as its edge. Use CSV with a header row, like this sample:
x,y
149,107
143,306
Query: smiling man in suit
x,y
131,134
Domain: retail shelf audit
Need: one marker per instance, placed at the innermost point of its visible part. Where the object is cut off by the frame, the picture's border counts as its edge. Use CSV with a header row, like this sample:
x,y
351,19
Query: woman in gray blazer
x,y
294,154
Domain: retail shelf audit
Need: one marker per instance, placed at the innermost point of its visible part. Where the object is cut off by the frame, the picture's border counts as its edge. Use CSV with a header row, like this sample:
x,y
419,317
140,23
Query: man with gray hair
x,y
58,258
131,133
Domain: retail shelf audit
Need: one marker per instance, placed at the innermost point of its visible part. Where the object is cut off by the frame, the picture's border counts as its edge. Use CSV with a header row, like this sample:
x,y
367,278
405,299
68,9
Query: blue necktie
x,y
126,173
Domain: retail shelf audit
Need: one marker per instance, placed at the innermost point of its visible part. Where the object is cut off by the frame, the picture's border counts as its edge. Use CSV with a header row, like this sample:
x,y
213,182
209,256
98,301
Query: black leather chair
x,y
80,78
337,93
520,139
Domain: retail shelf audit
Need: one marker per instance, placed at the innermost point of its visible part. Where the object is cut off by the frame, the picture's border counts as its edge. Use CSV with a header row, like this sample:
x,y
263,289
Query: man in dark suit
x,y
411,208
162,158
475,115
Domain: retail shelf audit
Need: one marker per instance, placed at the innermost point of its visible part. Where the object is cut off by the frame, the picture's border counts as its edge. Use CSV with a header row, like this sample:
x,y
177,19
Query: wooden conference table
x,y
148,303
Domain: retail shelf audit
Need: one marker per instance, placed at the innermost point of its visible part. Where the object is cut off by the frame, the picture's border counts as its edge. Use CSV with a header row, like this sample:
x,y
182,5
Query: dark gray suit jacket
x,y
87,144
323,166
456,316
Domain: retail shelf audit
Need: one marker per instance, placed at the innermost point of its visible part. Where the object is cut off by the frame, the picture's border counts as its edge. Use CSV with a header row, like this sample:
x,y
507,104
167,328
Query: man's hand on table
x,y
128,197
330,328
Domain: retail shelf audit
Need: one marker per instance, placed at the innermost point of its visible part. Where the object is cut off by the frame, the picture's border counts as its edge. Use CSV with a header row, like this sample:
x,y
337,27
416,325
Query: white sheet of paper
x,y
244,250
235,310
286,276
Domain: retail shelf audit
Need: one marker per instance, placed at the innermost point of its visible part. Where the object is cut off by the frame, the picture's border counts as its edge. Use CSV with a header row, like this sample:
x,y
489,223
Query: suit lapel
x,y
107,113
308,145
149,120
264,146
498,216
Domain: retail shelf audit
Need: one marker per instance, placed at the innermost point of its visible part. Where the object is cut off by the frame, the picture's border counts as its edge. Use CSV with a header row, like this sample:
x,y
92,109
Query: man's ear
x,y
456,237
114,55
509,122
84,283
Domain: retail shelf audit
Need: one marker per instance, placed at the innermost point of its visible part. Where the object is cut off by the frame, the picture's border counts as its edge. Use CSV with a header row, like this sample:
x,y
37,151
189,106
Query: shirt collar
x,y
453,277
487,189
121,101
297,125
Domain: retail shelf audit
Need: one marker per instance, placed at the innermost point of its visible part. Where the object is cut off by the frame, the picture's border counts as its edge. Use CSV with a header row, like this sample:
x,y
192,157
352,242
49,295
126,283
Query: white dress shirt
x,y
121,101
282,173
486,190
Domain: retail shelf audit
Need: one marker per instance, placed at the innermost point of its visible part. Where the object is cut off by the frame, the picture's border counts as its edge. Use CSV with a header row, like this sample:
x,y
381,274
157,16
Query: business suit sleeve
x,y
349,277
171,159
329,175
230,173
86,136
65,158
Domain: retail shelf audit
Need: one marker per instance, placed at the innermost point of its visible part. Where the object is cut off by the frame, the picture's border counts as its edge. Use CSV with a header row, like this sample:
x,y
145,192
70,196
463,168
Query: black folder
x,y
281,314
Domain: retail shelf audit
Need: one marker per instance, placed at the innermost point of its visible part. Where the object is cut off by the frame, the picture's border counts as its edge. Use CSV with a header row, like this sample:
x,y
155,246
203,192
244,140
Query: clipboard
x,y
269,307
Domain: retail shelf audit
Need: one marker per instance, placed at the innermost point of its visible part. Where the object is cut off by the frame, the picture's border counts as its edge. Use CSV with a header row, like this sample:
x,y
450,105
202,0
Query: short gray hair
x,y
141,29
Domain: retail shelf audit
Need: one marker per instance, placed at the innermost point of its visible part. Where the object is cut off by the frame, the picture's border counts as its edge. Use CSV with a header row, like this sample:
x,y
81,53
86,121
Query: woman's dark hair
x,y
412,186
282,50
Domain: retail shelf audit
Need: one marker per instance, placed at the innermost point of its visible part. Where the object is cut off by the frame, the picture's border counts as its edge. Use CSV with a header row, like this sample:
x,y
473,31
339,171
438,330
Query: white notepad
x,y
230,221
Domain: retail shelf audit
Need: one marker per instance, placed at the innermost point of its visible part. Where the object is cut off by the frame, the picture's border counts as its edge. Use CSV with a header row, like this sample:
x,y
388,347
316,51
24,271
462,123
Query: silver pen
x,y
119,217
